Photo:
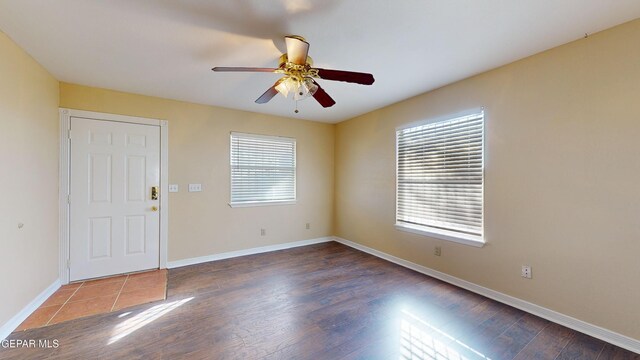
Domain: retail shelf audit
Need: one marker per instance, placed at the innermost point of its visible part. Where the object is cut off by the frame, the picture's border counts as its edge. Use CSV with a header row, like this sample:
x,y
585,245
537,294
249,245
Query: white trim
x,y
265,137
442,234
113,117
439,118
7,328
252,251
565,320
262,203
164,193
64,191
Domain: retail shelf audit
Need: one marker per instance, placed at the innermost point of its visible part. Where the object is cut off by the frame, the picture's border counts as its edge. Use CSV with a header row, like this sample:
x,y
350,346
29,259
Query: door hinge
x,y
69,199
69,264
69,134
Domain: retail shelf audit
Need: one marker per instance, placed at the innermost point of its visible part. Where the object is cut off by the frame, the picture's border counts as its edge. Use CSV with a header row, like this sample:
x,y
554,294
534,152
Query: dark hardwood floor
x,y
323,301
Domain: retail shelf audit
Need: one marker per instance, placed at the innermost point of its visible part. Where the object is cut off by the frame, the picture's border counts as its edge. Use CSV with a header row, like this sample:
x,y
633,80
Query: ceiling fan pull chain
x,y
296,110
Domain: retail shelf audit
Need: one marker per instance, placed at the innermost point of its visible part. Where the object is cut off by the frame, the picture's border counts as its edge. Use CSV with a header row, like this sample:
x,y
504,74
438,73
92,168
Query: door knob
x,y
154,208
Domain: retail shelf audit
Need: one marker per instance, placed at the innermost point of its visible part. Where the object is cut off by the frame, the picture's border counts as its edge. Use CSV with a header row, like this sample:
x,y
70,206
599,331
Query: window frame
x,y
433,232
263,202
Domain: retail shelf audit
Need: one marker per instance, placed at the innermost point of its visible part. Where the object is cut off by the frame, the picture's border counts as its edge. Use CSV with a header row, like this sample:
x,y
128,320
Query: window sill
x,y
442,234
262,203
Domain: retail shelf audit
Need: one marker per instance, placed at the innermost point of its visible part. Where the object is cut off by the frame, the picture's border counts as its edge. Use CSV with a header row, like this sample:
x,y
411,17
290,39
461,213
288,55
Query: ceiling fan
x,y
299,75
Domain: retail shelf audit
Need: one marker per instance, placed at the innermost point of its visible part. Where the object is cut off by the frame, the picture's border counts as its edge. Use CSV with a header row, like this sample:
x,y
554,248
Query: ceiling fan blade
x,y
297,49
269,94
244,69
347,76
322,97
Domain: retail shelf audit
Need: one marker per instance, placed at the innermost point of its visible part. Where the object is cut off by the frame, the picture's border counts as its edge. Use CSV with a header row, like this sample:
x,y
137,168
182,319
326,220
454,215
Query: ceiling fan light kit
x,y
299,75
301,89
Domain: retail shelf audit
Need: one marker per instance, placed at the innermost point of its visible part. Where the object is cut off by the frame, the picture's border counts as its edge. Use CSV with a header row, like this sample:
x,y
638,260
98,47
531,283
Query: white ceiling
x,y
166,48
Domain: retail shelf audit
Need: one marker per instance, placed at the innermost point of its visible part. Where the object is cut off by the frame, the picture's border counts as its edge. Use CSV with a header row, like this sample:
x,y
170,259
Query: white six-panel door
x,y
114,222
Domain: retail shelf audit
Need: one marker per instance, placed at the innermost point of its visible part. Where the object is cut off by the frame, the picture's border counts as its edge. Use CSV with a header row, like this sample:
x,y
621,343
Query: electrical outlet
x,y
526,271
308,226
263,232
437,251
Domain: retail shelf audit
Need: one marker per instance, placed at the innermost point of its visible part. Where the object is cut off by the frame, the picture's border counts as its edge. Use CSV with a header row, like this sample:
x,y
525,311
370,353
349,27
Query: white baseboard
x,y
568,321
257,250
15,321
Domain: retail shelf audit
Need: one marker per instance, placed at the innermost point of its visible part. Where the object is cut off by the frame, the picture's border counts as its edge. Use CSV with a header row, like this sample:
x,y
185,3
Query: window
x,y
440,178
263,170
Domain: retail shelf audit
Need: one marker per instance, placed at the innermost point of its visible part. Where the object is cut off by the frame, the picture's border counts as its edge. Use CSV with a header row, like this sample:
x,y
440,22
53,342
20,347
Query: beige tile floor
x,y
97,297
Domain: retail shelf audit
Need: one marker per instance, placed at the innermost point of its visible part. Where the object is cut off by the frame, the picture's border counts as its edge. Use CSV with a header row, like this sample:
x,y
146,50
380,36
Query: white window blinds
x,y
263,169
440,176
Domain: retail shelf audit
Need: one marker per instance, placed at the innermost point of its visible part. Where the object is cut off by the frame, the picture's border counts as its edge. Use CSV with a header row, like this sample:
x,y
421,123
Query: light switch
x,y
173,188
195,187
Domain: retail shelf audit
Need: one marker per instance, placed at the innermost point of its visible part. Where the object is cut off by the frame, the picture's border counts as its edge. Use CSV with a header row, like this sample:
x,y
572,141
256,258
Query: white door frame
x,y
64,175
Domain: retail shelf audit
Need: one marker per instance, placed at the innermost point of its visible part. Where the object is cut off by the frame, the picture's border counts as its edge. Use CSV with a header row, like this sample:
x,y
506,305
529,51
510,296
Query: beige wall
x,y
203,223
28,179
562,179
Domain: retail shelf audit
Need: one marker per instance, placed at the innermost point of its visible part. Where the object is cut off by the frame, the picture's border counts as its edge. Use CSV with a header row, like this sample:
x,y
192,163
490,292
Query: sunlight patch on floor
x,y
128,326
124,314
417,342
